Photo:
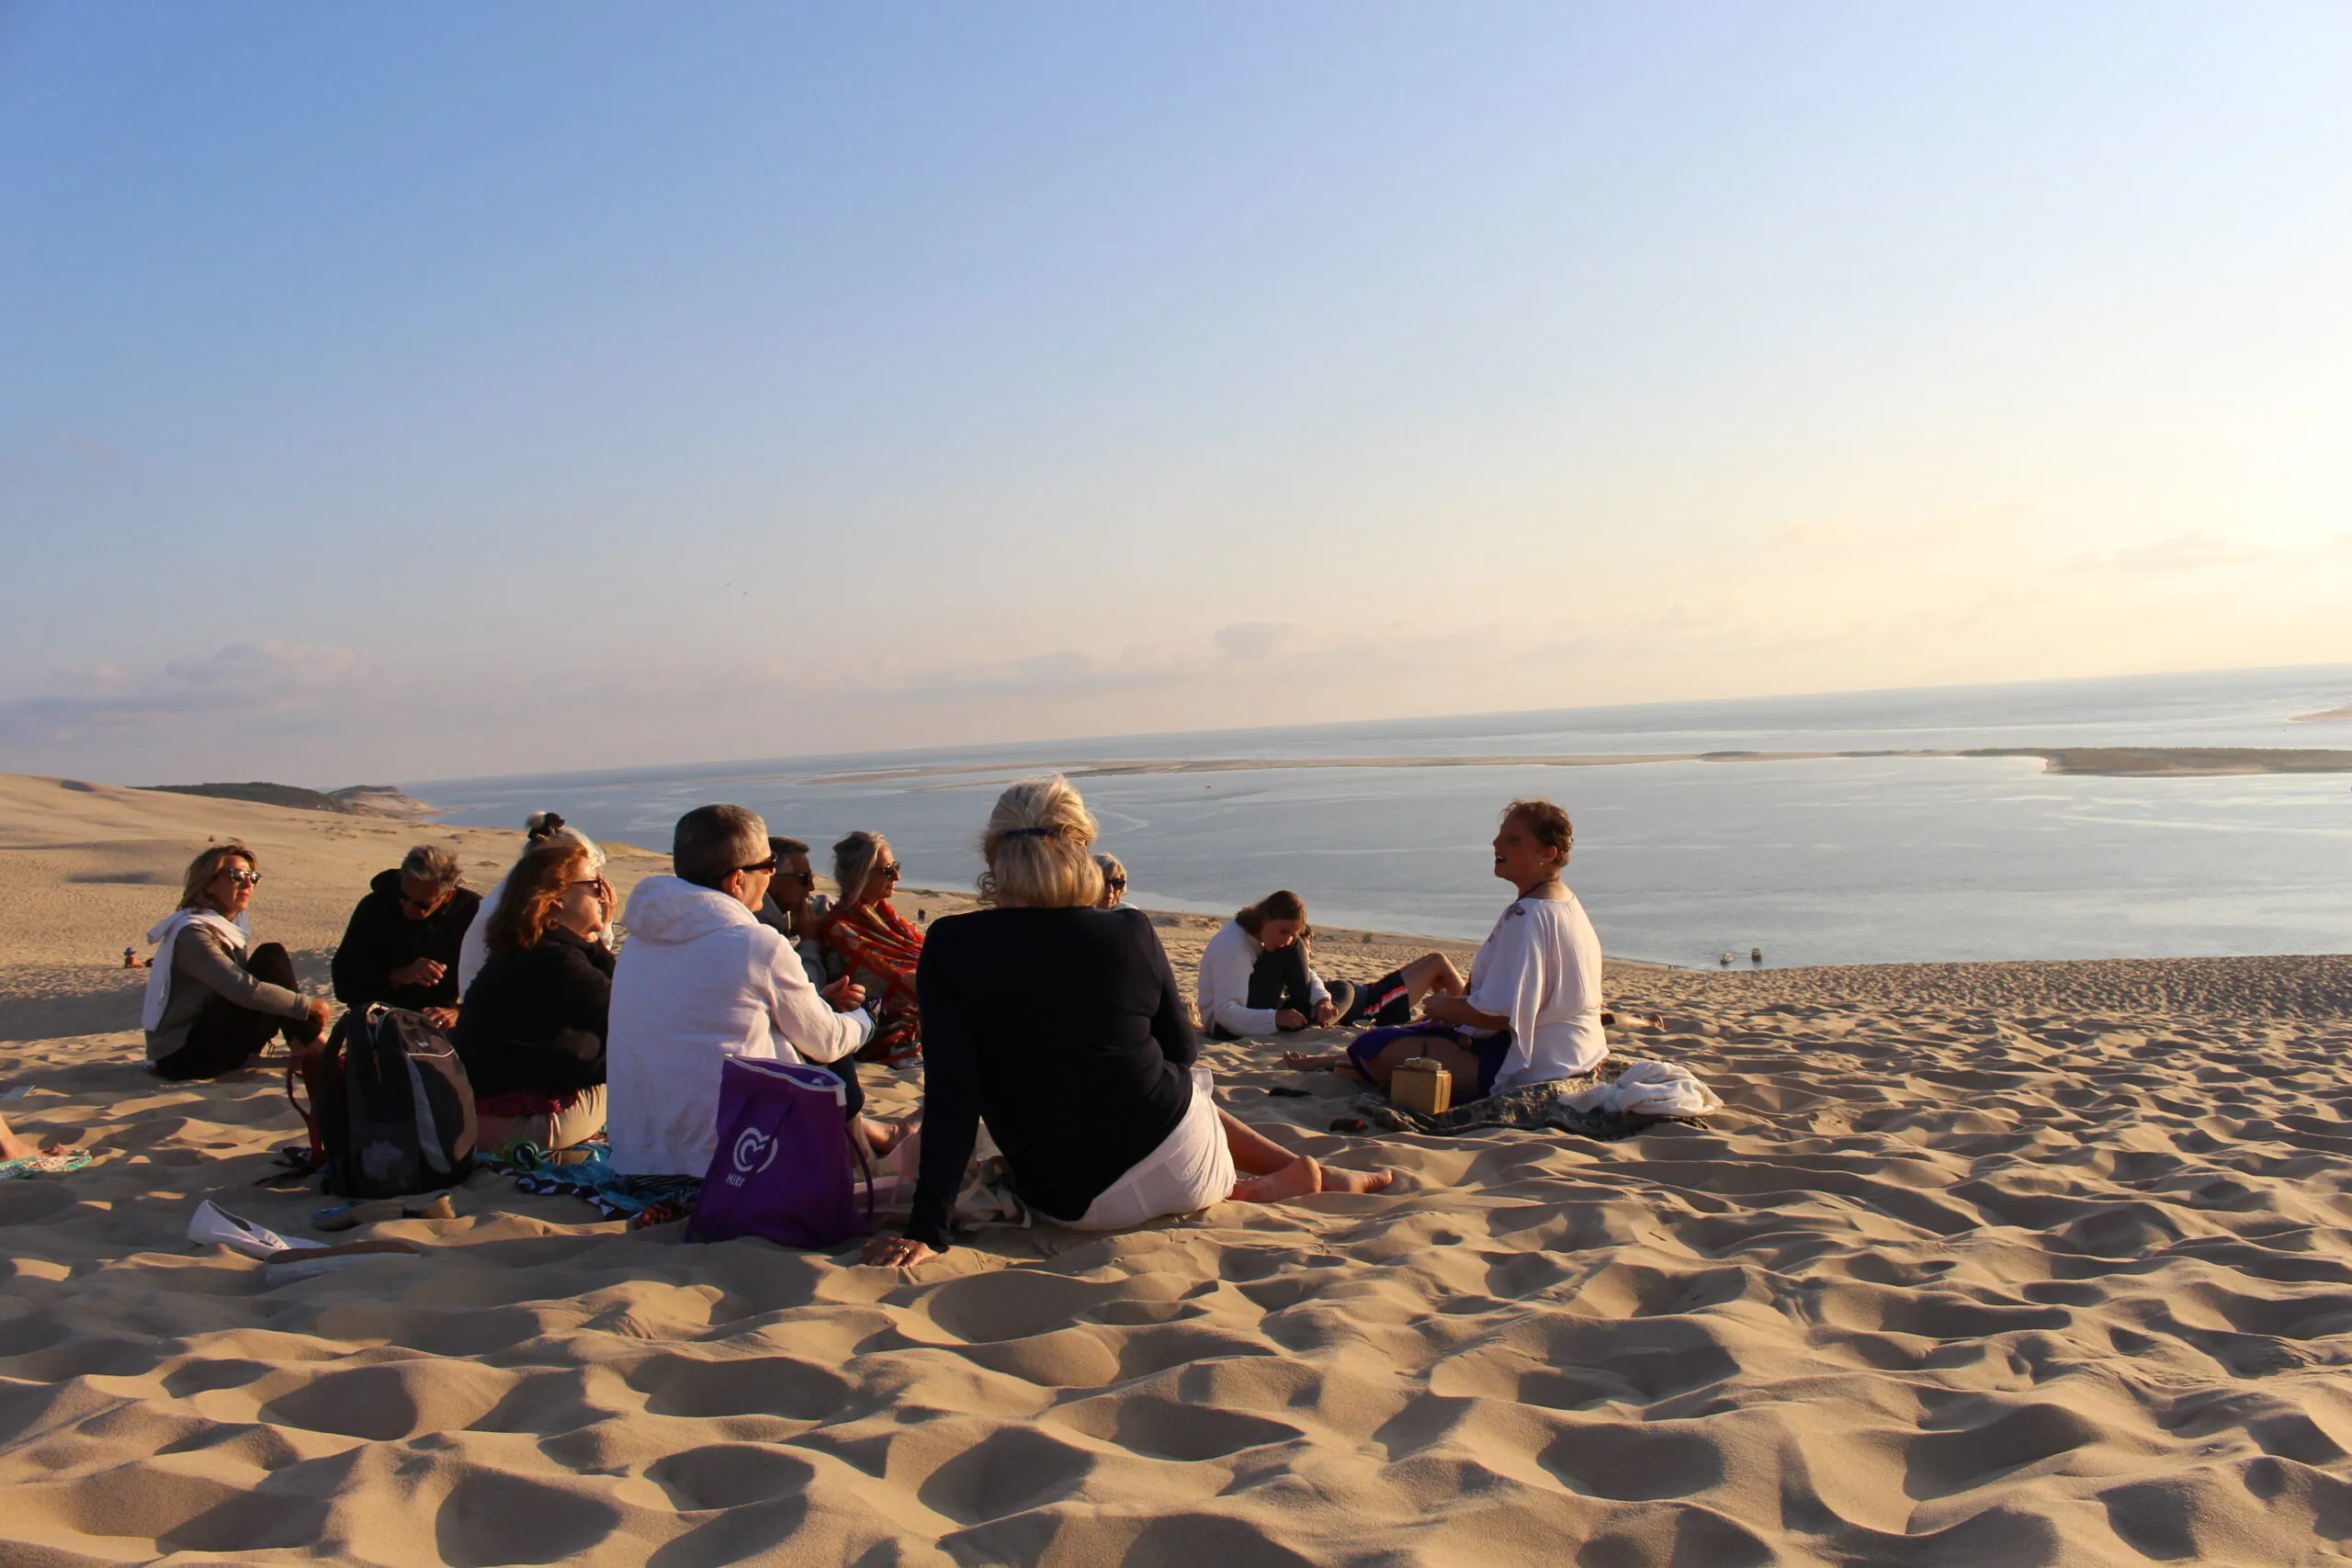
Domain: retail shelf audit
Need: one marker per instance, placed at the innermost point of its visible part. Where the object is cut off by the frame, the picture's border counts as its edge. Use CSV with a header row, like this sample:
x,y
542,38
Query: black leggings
x,y
226,1036
1279,980
846,1070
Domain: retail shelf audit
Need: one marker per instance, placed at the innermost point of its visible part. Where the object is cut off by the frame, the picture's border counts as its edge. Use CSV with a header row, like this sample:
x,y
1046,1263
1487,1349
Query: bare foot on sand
x,y
13,1147
1300,1178
1337,1180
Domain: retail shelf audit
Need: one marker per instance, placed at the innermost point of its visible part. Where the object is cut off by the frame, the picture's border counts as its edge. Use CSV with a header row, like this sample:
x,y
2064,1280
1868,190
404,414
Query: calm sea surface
x,y
1836,861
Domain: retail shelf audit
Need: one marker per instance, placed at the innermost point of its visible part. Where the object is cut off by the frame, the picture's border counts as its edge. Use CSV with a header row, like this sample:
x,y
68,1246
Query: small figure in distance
x,y
1114,879
131,958
1724,960
1756,956
405,936
1532,1011
215,1000
1062,1026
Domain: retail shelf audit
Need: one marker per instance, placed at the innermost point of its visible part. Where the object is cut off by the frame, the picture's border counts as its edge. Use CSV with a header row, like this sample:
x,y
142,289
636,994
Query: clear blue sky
x,y
426,389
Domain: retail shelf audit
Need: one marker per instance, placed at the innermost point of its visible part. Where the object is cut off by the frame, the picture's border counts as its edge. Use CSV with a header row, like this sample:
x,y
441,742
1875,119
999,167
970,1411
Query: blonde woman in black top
x,y
1062,1024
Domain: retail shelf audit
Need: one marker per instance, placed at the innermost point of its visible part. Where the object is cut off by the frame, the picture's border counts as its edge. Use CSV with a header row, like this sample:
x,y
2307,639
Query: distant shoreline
x,y
2106,761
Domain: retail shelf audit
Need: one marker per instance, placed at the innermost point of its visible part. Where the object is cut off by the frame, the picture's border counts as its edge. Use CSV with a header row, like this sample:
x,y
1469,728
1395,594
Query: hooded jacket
x,y
699,980
381,938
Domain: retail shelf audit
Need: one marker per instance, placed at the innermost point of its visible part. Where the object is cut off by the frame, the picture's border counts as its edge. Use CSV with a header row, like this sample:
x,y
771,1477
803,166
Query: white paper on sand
x,y
212,1223
1649,1089
284,1257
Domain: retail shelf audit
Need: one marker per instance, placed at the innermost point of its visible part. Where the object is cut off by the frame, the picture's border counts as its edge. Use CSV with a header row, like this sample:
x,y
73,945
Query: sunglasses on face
x,y
766,866
602,888
888,869
806,878
1118,885
243,878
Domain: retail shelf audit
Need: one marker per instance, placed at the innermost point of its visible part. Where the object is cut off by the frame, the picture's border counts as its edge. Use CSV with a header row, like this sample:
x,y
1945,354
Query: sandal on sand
x,y
30,1166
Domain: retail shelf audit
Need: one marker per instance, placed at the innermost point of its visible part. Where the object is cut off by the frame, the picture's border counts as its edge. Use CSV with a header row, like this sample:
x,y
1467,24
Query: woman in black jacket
x,y
1061,1024
532,1029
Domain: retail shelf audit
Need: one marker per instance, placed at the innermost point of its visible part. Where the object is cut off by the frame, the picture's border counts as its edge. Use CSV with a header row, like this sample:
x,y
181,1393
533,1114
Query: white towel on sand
x,y
1650,1089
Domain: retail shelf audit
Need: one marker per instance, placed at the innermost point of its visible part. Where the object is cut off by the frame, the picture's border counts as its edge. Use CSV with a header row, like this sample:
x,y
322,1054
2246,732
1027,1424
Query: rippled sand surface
x,y
1948,1283
1983,1264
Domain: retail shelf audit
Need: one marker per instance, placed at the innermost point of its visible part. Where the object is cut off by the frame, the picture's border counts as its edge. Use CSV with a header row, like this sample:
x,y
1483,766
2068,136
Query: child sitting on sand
x,y
1061,1024
1254,977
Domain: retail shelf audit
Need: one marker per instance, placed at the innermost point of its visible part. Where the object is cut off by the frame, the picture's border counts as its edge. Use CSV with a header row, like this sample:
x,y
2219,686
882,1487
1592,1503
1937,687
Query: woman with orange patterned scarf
x,y
877,948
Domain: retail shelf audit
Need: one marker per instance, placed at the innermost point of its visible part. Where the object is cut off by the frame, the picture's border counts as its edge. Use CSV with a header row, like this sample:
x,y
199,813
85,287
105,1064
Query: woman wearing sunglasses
x,y
539,827
532,1031
877,948
213,999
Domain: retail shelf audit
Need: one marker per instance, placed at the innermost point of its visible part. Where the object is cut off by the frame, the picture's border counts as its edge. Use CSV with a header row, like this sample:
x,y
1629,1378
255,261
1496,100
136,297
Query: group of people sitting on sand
x,y
1051,1013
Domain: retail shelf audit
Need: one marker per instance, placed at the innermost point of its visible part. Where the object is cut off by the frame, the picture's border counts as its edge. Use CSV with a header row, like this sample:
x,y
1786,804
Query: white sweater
x,y
1224,987
700,980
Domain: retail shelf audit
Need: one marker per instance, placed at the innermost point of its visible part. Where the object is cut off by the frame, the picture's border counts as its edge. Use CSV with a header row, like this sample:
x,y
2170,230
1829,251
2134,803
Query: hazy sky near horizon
x,y
428,391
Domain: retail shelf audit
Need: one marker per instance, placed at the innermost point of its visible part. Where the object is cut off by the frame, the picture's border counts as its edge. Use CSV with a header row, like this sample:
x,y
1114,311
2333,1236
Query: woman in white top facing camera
x,y
1532,1010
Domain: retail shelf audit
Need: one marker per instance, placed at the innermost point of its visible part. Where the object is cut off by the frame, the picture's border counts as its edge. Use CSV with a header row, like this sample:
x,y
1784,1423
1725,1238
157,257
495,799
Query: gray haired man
x,y
699,980
401,948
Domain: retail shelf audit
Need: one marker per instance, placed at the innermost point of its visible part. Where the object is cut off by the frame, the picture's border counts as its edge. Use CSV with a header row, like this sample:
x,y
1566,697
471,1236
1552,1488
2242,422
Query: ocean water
x,y
1828,861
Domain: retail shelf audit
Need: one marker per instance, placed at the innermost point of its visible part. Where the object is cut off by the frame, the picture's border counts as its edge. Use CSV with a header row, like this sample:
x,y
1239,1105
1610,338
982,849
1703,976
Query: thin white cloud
x,y
2198,550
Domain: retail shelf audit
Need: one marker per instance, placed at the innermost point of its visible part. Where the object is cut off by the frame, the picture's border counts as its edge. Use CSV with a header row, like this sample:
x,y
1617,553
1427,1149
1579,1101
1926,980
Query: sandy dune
x,y
1986,1264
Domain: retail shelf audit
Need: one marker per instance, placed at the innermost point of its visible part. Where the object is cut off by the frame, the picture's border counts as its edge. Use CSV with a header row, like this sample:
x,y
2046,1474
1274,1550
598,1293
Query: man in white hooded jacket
x,y
700,979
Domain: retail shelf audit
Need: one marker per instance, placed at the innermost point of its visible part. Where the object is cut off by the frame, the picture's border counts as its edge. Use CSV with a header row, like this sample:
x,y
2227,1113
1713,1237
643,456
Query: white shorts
x,y
1191,1169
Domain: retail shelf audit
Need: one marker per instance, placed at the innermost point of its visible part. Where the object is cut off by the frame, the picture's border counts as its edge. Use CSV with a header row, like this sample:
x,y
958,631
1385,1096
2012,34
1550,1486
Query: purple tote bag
x,y
782,1165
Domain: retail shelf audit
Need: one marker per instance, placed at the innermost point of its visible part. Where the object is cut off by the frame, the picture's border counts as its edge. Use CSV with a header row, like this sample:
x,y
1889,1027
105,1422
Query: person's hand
x,y
418,972
1325,1015
846,994
896,1252
1290,1017
319,1010
443,1019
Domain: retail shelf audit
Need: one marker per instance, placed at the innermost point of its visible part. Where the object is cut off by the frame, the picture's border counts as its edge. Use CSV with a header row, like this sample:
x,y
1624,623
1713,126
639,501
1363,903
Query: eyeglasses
x,y
1118,885
806,878
243,878
411,901
604,889
888,869
767,865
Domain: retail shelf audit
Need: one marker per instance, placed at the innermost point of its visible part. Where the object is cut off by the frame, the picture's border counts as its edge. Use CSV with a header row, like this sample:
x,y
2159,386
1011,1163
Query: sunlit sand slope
x,y
1946,1285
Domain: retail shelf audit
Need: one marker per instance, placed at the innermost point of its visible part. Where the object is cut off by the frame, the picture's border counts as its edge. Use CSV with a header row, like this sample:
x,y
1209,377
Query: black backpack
x,y
392,1112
